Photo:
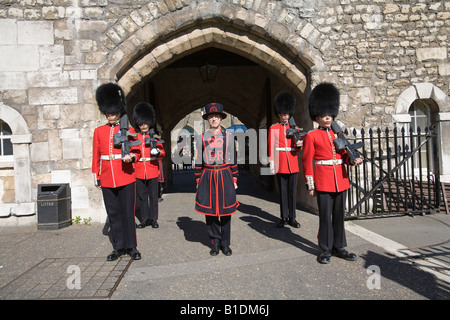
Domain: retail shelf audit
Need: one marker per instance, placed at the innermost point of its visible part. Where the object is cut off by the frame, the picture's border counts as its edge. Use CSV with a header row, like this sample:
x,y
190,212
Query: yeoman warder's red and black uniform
x,y
215,173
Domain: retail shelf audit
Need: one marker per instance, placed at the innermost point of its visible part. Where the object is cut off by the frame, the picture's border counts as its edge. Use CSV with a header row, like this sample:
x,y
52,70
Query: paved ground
x,y
404,258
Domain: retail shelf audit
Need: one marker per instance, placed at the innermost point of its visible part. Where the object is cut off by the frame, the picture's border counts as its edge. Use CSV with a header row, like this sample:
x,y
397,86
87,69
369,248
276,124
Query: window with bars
x,y
6,148
420,113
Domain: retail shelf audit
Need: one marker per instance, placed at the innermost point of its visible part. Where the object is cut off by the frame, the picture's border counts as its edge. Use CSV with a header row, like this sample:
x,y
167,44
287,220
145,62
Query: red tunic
x,y
147,167
318,145
282,150
111,173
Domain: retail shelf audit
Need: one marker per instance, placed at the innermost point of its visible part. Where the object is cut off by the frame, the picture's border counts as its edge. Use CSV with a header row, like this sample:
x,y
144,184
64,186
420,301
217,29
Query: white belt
x,y
111,157
329,162
147,159
285,149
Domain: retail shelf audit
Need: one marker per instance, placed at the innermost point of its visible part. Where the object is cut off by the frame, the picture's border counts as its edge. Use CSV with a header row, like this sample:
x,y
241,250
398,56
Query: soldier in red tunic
x,y
216,176
114,173
328,181
147,168
283,159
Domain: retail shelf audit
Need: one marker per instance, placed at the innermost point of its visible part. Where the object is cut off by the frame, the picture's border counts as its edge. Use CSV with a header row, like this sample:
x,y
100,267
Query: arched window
x,y
420,115
6,148
420,112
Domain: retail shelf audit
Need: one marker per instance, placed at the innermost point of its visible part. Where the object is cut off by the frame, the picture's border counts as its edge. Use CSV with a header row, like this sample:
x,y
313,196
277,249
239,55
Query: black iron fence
x,y
400,173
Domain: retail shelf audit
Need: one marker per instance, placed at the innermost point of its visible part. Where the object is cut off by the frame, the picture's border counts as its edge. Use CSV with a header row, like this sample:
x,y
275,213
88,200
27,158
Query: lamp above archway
x,y
208,72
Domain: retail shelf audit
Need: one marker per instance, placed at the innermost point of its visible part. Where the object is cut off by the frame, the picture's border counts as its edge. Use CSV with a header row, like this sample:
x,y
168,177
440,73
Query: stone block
x,y
365,95
55,142
19,58
80,197
444,69
39,151
69,133
72,148
48,79
8,31
425,54
51,112
13,81
26,32
61,176
43,96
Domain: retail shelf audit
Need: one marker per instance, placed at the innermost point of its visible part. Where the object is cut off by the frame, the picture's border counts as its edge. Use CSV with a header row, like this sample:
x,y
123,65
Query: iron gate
x,y
400,173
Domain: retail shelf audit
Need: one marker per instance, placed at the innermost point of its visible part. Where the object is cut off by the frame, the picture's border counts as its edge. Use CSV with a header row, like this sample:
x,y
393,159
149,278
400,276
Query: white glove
x,y
154,151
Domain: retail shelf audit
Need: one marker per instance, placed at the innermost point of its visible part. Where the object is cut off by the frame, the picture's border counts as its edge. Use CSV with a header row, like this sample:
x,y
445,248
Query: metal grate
x,y
68,278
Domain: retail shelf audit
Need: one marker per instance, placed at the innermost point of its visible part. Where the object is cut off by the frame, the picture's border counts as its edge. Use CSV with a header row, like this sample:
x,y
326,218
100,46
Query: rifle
x,y
151,141
293,131
121,138
341,143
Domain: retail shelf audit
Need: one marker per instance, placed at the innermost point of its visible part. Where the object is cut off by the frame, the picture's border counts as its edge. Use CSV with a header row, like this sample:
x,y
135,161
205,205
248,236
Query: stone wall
x,y
55,53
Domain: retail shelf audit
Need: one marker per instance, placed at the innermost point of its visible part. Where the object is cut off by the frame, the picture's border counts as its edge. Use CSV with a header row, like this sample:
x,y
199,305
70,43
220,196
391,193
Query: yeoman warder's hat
x,y
144,113
323,100
284,103
214,108
111,99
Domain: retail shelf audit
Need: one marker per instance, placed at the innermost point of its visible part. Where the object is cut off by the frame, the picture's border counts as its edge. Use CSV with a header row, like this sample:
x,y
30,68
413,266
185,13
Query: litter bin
x,y
53,206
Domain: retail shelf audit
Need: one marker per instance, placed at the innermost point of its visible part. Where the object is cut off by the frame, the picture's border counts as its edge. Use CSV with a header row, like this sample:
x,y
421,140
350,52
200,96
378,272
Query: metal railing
x,y
400,173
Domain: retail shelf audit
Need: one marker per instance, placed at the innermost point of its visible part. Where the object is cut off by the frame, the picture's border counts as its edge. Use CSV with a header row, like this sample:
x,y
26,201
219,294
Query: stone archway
x,y
146,42
291,55
21,140
251,47
154,35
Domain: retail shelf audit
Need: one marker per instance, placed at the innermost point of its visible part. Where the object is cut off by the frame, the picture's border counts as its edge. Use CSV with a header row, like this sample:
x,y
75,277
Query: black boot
x,y
214,250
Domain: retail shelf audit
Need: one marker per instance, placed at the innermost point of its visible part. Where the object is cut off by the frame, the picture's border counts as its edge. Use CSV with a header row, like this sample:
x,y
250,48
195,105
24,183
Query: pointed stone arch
x,y
149,41
262,52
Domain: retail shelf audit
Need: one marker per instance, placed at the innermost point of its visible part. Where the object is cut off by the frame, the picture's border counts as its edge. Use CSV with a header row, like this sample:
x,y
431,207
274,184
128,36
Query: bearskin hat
x,y
144,113
284,103
111,99
323,100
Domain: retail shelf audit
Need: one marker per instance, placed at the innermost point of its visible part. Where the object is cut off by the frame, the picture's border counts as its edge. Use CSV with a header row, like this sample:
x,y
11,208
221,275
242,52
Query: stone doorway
x,y
252,69
245,88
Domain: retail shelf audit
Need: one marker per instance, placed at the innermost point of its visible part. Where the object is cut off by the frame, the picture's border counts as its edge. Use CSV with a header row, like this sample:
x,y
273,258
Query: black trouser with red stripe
x,y
119,204
219,229
331,220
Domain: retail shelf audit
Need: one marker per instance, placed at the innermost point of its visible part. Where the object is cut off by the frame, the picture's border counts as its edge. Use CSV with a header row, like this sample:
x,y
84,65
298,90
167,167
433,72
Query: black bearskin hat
x,y
111,99
284,103
323,100
144,113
